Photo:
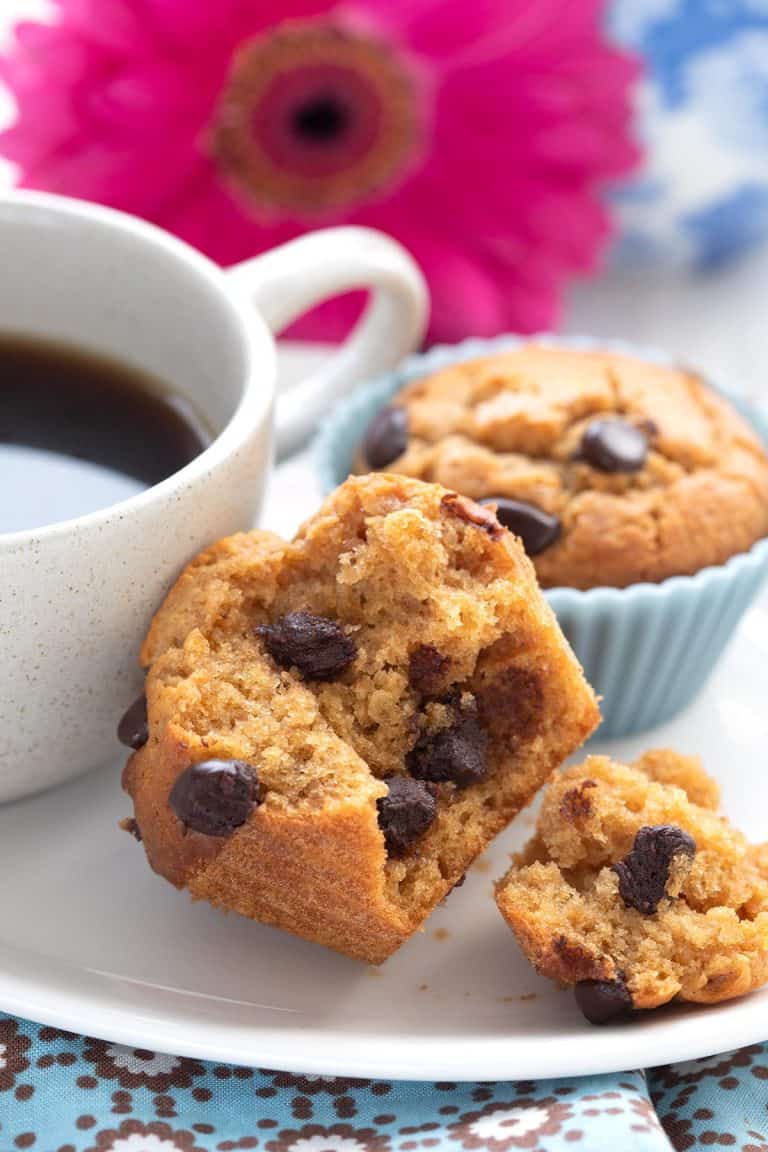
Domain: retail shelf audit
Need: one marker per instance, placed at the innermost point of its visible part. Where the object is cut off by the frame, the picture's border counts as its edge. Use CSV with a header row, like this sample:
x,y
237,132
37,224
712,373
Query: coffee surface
x,y
79,431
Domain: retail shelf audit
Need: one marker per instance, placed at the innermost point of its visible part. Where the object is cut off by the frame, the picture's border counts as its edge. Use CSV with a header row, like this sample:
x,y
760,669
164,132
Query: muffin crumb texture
x,y
337,726
629,471
635,890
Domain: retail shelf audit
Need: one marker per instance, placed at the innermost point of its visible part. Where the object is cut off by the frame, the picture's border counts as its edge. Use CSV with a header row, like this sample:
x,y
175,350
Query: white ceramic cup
x,y
76,597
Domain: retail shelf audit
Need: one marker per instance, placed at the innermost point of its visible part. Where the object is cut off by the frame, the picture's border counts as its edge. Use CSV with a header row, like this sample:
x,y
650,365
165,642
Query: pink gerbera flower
x,y
479,132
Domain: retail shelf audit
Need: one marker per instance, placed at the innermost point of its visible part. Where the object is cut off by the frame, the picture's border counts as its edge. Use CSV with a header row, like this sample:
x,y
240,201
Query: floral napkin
x,y
65,1093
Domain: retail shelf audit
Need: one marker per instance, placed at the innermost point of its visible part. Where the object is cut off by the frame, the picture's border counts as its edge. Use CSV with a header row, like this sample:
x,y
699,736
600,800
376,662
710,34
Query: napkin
x,y
60,1092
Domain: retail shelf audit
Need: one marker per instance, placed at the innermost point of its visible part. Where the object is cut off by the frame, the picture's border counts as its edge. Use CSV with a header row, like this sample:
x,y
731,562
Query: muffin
x,y
334,728
636,891
612,471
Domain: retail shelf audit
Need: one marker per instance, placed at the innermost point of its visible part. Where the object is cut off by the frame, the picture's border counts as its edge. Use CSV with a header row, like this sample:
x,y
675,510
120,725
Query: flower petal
x,y
208,216
525,108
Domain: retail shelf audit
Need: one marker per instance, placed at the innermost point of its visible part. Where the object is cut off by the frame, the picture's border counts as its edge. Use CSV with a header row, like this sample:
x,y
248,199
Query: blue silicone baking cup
x,y
648,649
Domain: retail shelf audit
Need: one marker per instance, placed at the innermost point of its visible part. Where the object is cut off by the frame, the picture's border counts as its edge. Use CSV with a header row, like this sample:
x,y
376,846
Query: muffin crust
x,y
512,426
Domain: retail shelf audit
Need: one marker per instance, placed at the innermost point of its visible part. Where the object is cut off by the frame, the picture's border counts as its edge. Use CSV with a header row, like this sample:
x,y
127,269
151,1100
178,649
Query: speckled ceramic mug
x,y
76,597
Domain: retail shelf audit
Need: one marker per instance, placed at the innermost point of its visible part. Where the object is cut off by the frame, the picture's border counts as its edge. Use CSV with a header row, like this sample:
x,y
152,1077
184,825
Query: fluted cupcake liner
x,y
647,649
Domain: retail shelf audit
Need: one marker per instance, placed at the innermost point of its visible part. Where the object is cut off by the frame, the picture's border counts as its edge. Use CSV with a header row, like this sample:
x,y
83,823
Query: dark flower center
x,y
320,120
314,117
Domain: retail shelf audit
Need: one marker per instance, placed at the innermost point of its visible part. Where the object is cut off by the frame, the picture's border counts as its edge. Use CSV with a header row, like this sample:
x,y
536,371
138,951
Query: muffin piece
x,y
636,891
612,471
339,725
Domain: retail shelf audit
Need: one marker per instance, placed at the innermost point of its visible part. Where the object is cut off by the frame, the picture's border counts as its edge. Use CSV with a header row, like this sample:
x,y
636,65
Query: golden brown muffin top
x,y
635,472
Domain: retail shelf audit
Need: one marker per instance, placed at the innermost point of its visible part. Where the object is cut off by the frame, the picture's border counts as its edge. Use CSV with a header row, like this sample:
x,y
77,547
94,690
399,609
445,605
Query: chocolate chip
x,y
471,513
535,527
456,753
386,437
216,796
603,1001
317,646
427,669
614,446
576,804
510,704
644,872
129,824
406,812
133,729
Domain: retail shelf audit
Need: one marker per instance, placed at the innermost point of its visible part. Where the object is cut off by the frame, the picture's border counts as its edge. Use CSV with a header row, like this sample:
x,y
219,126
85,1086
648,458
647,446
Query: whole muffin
x,y
613,471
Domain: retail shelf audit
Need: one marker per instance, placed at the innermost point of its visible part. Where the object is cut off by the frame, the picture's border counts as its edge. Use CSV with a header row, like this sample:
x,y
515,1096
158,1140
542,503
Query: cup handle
x,y
293,278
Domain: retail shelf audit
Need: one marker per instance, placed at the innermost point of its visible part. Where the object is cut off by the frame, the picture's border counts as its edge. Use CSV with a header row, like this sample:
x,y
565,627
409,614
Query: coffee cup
x,y
76,597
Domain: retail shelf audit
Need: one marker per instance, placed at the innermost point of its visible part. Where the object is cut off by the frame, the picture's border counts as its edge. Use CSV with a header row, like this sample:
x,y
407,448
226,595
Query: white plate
x,y
92,941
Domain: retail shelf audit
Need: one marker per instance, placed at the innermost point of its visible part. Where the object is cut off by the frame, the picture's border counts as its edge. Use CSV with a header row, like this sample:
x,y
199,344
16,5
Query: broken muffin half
x,y
337,726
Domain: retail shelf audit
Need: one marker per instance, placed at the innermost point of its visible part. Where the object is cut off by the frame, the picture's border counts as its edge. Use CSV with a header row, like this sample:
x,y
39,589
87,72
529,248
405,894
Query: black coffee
x,y
79,432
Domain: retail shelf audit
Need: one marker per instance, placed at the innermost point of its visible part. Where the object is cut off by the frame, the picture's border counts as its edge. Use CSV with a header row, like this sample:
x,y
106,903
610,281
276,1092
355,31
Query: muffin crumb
x,y
634,890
